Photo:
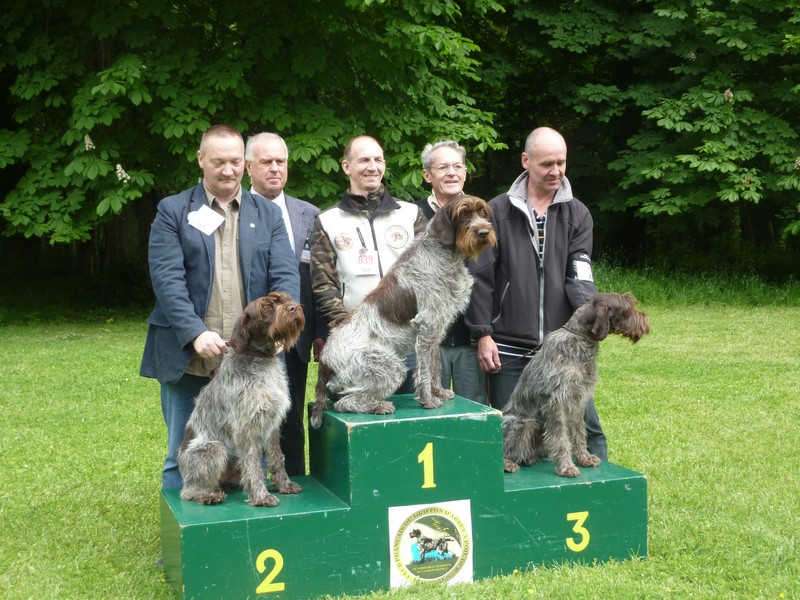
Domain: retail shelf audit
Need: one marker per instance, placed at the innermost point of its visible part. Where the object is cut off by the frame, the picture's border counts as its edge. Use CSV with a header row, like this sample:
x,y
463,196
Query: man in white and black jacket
x,y
537,275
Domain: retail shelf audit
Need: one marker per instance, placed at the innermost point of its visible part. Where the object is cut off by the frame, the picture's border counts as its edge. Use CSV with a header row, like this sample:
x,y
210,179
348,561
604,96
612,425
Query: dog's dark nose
x,y
484,233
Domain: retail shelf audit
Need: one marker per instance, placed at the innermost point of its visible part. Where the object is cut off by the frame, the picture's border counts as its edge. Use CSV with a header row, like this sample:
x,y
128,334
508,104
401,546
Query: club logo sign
x,y
431,543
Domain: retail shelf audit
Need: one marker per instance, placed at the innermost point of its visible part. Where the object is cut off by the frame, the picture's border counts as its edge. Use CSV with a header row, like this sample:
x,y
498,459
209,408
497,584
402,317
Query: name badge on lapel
x,y
205,219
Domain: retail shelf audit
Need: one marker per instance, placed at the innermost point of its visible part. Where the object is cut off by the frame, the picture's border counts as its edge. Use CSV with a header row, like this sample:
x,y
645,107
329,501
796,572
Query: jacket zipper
x,y
375,245
541,286
502,298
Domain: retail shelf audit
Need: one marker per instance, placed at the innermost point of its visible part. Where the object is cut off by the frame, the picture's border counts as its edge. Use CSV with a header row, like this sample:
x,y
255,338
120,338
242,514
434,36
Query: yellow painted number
x,y
580,519
268,586
426,458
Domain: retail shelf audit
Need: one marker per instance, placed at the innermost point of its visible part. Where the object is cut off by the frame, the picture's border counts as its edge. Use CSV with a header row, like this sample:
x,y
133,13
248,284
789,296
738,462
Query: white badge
x,y
583,271
367,262
305,254
205,219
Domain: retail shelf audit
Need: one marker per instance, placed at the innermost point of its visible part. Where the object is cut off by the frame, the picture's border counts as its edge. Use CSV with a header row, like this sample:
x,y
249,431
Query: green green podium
x,y
399,500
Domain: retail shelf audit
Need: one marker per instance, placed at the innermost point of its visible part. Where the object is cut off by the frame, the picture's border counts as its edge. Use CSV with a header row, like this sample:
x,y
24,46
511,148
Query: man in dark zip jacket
x,y
537,275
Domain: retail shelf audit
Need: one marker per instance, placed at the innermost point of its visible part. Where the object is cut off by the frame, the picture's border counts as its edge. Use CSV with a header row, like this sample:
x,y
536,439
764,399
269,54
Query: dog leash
x,y
528,354
534,350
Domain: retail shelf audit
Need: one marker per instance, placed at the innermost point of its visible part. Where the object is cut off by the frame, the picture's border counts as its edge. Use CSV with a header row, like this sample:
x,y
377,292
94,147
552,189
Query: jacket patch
x,y
396,236
343,241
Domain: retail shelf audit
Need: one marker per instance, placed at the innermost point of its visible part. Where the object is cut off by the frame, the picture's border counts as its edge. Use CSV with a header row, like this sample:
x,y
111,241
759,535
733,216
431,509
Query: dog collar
x,y
583,335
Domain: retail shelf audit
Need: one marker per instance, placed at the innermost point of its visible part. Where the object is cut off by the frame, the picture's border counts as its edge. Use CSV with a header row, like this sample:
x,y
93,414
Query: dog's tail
x,y
321,402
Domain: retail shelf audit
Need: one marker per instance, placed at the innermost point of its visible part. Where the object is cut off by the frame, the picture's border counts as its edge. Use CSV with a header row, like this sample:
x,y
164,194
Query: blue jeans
x,y
177,403
502,384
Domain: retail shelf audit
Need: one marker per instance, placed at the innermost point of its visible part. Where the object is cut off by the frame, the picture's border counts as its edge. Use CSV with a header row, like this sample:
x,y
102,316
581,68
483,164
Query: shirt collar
x,y
280,200
237,199
433,203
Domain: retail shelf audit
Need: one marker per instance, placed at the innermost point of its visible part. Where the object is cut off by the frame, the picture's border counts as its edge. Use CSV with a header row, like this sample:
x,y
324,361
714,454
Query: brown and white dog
x,y
544,415
410,309
237,416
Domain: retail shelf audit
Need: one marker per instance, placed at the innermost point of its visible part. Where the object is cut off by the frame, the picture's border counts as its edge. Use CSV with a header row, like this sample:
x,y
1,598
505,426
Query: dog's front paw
x,y
203,496
263,499
567,470
289,487
509,466
382,407
443,394
428,400
432,403
587,460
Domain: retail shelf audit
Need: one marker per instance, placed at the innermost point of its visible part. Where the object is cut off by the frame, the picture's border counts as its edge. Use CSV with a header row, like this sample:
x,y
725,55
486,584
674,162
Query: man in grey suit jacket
x,y
266,159
213,248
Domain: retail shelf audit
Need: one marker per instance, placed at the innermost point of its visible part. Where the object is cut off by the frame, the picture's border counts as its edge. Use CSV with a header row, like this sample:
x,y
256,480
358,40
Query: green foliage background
x,y
681,115
134,84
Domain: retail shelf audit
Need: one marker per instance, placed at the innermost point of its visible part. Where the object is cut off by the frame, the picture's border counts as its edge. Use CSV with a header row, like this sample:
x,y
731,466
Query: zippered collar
x,y
354,203
518,195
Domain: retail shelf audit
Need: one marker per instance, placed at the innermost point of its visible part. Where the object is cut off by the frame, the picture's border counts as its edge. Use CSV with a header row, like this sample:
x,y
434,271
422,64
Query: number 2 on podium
x,y
426,458
269,585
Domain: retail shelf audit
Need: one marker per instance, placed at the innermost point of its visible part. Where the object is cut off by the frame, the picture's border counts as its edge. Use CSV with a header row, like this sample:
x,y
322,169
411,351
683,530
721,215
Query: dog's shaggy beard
x,y
474,231
274,323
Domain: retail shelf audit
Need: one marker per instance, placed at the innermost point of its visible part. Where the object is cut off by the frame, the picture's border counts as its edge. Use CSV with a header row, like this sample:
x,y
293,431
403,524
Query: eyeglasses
x,y
442,169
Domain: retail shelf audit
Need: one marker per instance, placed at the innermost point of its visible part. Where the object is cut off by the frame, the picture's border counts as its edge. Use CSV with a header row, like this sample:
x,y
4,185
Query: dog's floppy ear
x,y
441,226
600,326
241,334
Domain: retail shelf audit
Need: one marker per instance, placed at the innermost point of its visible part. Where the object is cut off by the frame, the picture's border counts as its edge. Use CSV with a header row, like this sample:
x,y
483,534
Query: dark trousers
x,y
293,436
407,387
502,384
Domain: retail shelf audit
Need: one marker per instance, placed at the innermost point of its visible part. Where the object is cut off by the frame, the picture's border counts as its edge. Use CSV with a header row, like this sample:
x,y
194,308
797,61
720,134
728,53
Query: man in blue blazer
x,y
266,159
213,248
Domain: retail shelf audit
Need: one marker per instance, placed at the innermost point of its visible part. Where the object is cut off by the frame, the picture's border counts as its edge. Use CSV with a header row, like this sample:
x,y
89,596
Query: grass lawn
x,y
707,407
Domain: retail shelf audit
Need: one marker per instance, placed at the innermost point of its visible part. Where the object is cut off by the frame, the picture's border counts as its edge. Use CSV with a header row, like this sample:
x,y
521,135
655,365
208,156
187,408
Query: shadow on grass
x,y
48,297
58,297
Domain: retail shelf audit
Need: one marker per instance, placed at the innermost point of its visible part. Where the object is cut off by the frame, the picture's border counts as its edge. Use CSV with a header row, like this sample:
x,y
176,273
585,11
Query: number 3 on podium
x,y
583,541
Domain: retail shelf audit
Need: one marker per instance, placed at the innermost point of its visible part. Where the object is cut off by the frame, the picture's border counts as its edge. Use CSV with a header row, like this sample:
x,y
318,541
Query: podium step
x,y
398,499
